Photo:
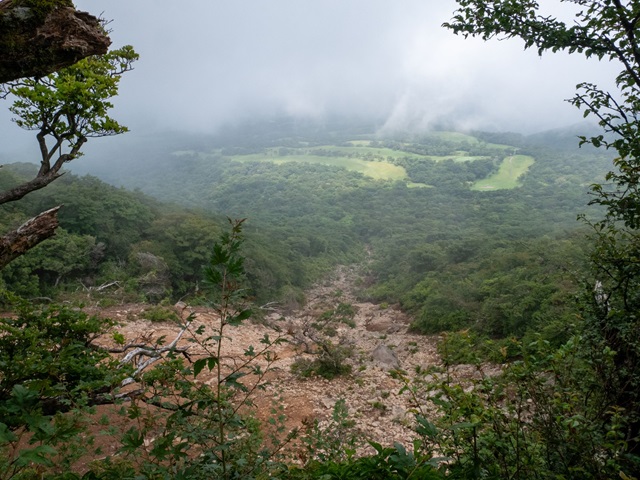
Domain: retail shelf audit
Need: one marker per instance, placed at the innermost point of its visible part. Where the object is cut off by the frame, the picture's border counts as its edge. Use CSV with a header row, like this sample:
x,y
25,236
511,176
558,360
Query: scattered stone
x,y
328,403
386,357
313,399
398,413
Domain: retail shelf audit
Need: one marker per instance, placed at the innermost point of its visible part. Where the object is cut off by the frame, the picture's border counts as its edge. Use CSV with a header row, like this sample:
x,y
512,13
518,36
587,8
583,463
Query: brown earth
x,y
372,394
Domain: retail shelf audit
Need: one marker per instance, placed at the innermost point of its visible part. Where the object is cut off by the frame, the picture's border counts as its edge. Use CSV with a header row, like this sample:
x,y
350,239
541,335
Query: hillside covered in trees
x,y
315,215
516,255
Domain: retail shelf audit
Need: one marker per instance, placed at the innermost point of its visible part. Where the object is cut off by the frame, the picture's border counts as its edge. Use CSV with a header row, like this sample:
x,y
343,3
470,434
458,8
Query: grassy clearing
x,y
379,163
511,169
364,151
367,154
461,138
457,158
453,137
375,170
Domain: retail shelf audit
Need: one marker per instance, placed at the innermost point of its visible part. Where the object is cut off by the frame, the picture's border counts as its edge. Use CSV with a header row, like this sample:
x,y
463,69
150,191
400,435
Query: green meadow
x,y
373,169
511,169
460,157
382,163
366,151
461,138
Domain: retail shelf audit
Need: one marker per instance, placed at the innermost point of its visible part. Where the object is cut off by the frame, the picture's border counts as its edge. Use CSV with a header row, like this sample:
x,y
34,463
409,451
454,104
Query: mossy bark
x,y
38,37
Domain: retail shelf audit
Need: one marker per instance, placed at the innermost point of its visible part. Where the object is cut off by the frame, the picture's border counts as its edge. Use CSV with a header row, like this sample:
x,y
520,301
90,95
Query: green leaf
x,y
237,319
198,366
463,425
212,362
38,455
426,428
132,440
209,362
376,445
6,435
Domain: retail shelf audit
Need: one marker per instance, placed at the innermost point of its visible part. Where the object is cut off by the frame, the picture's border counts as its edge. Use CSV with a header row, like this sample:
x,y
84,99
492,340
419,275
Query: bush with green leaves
x,y
543,417
50,377
469,347
601,30
388,463
329,361
320,338
158,313
330,453
189,426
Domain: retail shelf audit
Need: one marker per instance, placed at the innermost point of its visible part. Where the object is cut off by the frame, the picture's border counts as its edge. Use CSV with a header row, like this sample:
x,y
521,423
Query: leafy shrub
x,y
459,347
303,367
541,418
388,463
329,363
335,441
50,377
160,314
467,347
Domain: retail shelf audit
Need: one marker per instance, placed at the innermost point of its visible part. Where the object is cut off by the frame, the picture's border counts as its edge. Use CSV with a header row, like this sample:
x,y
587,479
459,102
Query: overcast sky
x,y
207,62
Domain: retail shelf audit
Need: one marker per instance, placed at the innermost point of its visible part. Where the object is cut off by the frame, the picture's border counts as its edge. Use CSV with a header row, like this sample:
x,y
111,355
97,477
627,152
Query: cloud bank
x,y
205,63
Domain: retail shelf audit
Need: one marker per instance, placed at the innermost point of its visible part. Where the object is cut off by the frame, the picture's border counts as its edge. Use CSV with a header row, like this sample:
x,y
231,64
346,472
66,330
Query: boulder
x,y
385,357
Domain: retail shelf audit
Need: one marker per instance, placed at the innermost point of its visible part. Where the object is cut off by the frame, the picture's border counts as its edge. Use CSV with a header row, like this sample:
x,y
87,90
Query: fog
x,y
207,63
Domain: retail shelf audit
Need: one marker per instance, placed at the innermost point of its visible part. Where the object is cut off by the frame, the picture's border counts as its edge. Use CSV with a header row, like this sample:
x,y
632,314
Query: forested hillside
x,y
454,256
147,250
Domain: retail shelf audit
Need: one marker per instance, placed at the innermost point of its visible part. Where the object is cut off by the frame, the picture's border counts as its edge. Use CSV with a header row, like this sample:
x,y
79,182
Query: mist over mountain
x,y
215,67
210,64
276,131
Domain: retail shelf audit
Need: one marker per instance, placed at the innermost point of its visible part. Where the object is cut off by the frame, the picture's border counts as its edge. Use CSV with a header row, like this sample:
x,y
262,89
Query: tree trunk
x,y
38,38
28,235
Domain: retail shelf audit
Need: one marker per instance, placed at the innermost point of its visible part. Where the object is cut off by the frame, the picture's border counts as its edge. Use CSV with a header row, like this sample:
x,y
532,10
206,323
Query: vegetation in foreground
x,y
543,416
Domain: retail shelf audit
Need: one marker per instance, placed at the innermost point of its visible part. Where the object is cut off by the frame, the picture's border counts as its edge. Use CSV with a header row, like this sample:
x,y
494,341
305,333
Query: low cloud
x,y
206,63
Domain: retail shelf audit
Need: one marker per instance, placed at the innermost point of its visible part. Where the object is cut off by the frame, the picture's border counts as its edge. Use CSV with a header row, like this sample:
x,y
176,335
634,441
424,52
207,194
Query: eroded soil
x,y
372,394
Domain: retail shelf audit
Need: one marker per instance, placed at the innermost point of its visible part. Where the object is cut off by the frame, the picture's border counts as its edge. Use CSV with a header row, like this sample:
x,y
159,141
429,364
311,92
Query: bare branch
x,y
28,235
144,355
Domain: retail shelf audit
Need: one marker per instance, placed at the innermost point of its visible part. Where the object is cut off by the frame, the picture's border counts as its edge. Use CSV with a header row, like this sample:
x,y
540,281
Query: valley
x,y
384,314
322,251
452,254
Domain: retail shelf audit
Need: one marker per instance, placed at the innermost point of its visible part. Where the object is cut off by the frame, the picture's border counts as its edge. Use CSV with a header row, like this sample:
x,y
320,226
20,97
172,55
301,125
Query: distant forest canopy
x,y
499,260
